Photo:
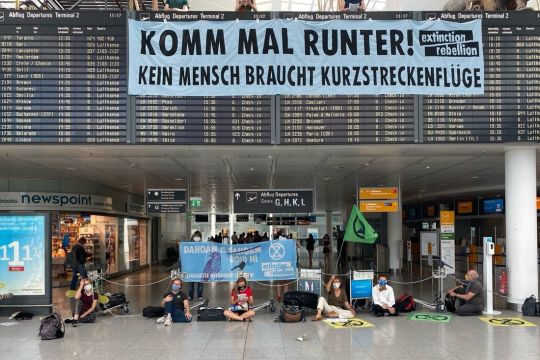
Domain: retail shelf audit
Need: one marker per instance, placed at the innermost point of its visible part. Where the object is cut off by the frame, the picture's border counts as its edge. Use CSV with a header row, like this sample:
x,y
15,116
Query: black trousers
x,y
378,309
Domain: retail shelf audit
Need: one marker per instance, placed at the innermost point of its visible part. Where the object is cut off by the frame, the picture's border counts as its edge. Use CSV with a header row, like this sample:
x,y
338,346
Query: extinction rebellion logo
x,y
457,43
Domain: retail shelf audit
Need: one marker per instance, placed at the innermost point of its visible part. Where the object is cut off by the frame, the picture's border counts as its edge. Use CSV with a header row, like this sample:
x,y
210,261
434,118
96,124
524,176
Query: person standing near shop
x,y
77,262
310,246
196,237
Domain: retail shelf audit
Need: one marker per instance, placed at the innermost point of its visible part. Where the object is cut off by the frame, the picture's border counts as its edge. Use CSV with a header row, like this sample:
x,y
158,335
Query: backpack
x,y
52,327
450,303
153,311
211,314
529,306
405,303
292,314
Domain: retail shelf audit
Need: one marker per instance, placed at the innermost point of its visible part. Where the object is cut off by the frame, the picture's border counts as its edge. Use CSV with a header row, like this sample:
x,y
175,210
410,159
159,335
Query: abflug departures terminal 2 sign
x,y
273,201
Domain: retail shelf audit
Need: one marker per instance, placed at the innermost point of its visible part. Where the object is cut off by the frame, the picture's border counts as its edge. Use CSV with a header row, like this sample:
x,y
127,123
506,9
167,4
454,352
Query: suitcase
x,y
211,314
301,299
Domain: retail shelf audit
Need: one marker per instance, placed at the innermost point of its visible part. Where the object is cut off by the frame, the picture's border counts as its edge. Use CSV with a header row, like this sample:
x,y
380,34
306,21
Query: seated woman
x,y
176,305
87,301
241,298
337,304
383,298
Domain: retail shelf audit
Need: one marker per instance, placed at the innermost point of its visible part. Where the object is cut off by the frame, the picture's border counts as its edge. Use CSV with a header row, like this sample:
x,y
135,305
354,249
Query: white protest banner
x,y
293,57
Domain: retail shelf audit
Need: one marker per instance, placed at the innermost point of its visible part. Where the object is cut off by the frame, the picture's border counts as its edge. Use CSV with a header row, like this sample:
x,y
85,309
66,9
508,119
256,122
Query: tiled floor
x,y
134,337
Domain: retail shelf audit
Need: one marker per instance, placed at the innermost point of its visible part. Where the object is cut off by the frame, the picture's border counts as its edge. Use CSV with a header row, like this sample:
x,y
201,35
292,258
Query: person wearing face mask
x,y
338,305
241,299
196,237
176,305
87,302
383,298
470,295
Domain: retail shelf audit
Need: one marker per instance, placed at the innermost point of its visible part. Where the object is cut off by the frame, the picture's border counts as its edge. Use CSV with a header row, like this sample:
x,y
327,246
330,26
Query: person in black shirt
x,y
79,268
176,305
310,246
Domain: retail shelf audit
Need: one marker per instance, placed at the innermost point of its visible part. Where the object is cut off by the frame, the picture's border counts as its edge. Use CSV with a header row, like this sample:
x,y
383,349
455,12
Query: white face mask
x,y
87,287
196,238
336,285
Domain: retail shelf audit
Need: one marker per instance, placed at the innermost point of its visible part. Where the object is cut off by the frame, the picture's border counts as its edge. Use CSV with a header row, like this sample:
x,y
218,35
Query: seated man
x,y
176,5
470,295
352,5
241,298
176,305
87,302
337,302
383,298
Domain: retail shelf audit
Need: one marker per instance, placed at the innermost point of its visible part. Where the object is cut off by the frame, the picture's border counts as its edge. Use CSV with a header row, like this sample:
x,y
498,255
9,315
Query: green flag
x,y
358,229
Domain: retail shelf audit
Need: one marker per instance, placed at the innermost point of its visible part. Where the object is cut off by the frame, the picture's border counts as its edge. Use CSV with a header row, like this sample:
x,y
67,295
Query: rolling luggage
x,y
301,299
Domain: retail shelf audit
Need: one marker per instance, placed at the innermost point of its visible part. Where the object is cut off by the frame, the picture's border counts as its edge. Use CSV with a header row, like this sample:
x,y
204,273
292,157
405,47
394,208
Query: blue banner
x,y
208,261
294,57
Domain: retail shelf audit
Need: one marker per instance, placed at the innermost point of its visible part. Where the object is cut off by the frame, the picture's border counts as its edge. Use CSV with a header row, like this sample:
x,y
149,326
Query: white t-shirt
x,y
383,297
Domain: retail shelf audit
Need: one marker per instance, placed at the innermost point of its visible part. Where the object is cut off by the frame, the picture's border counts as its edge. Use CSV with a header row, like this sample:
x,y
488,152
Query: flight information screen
x,y
204,120
62,77
340,119
509,111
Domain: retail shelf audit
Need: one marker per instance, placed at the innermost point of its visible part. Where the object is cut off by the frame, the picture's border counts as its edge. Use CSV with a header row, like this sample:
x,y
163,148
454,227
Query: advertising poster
x,y
22,255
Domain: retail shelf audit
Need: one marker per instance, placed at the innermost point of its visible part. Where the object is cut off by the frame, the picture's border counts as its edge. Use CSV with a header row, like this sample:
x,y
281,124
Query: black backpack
x,y
529,307
450,303
211,314
292,314
52,327
153,311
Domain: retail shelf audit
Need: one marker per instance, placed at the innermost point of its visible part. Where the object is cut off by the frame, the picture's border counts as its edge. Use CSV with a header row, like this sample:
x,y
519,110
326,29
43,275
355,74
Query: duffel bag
x,y
153,311
211,314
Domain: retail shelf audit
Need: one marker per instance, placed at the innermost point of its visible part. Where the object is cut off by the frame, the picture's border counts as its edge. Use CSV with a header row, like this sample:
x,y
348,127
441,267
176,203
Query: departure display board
x,y
509,111
62,77
205,120
358,119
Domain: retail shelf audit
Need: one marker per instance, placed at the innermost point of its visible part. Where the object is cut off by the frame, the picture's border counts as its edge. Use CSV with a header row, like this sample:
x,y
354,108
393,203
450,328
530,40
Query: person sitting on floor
x,y
241,299
470,295
176,305
383,298
87,304
338,305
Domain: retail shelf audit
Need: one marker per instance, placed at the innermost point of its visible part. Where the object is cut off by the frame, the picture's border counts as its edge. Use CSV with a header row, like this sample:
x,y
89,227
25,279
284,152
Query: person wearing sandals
x,y
87,304
241,299
338,305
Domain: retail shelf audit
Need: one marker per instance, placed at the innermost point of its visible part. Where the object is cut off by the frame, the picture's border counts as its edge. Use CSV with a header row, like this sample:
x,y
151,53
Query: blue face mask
x,y
382,282
176,288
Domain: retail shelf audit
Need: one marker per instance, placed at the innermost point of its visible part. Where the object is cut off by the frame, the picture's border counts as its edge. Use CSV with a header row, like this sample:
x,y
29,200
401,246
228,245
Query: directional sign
x,y
273,201
165,208
165,195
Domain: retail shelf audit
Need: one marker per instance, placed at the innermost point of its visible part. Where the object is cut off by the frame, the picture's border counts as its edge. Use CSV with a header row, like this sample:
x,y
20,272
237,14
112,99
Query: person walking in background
x,y
310,246
196,237
327,249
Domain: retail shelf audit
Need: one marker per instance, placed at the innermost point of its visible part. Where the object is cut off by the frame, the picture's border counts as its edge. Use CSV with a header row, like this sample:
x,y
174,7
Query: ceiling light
x,y
251,169
475,177
422,190
133,165
428,167
125,186
71,169
366,164
254,186
178,179
327,178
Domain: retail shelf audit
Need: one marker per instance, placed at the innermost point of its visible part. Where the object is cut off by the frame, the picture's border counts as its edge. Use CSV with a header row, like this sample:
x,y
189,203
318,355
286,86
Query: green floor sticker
x,y
444,318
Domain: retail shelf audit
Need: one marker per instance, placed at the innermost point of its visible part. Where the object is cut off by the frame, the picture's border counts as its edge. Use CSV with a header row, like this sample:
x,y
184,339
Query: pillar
x,y
328,228
521,236
394,231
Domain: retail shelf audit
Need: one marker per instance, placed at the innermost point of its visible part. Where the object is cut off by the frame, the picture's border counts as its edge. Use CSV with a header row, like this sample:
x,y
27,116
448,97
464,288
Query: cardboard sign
x,y
507,321
443,318
348,323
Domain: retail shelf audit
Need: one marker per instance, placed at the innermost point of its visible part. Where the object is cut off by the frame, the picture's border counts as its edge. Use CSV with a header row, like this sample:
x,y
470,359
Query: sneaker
x,y
68,321
386,314
168,321
74,323
200,298
161,320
